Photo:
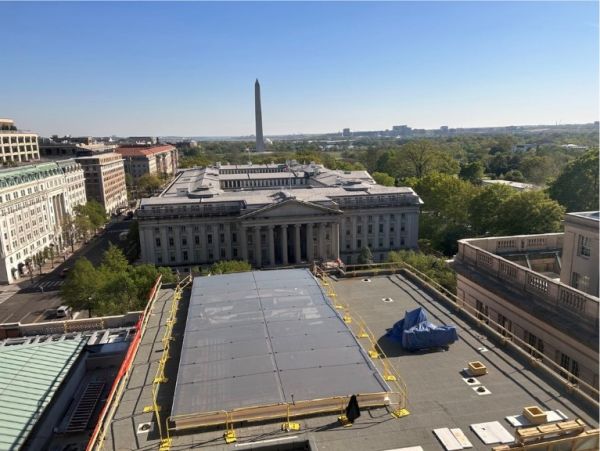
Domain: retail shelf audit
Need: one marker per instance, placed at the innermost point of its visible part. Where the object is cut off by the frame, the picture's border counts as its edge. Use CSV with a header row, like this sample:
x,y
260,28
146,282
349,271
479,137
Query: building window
x,y
370,229
234,237
534,342
197,239
380,228
358,229
584,247
580,282
184,241
209,238
185,256
222,238
171,241
157,242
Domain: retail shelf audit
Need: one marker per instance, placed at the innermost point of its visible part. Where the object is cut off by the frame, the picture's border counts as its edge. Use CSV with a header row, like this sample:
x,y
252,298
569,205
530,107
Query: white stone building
x,y
17,145
34,199
514,282
272,215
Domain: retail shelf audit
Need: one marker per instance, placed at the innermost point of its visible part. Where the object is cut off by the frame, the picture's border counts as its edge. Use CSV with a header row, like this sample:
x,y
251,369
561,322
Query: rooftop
x,y
31,374
262,338
438,396
143,151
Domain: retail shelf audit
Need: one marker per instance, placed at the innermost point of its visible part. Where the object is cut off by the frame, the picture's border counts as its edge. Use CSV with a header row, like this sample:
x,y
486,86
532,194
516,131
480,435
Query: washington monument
x,y
260,143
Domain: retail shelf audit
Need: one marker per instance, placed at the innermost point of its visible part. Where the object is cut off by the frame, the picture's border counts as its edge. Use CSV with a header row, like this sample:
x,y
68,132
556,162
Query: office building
x,y
273,215
17,145
105,180
346,133
160,160
34,200
579,267
72,147
541,289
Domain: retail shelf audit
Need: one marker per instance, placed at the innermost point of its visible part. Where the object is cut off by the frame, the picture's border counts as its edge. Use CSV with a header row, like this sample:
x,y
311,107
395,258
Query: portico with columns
x,y
292,232
197,222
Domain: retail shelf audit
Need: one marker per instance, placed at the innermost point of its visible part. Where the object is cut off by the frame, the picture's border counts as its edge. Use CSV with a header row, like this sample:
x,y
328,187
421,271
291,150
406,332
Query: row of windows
x,y
536,343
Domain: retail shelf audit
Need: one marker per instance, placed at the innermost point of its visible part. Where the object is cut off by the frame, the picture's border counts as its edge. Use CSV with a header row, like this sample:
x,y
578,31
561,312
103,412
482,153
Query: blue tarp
x,y
415,332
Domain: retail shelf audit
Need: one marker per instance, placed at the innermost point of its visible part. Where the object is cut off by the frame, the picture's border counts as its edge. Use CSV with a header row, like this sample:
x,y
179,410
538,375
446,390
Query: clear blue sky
x,y
189,68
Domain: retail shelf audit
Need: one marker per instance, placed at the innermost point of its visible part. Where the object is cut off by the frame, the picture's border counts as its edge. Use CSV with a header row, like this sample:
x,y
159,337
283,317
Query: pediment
x,y
290,208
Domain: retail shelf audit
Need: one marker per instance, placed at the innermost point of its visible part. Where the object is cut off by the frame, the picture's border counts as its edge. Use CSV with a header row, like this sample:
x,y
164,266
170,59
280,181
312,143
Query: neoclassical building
x,y
271,215
34,200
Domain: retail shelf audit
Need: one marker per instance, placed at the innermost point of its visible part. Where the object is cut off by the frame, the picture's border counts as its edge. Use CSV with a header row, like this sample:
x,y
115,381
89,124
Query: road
x,y
29,304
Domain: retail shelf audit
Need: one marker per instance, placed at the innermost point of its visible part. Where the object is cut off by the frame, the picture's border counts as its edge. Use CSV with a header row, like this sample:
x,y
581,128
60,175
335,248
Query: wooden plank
x,y
447,439
461,437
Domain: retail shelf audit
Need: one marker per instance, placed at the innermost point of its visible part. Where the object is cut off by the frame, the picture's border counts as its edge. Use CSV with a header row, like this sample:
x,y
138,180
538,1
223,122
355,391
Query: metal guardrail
x,y
572,383
362,331
160,377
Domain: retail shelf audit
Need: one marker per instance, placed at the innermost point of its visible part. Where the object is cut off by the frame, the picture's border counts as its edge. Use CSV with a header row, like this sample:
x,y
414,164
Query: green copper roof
x,y
30,374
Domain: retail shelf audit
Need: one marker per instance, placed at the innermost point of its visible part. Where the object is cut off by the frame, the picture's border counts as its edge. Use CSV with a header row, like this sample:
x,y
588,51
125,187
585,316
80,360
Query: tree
x,y
434,267
444,216
83,225
69,230
148,183
229,266
81,286
419,158
472,172
514,175
91,216
529,212
576,187
113,260
383,179
484,207
366,256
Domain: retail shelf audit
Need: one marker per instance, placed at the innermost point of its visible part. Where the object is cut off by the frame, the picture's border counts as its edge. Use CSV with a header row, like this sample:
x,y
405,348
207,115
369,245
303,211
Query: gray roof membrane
x,y
261,337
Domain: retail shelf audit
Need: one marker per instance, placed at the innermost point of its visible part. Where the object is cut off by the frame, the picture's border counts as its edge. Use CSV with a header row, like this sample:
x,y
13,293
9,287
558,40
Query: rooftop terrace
x,y
438,397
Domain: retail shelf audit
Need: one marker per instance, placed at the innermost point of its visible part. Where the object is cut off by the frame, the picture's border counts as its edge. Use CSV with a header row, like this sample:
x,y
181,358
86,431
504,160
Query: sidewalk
x,y
27,281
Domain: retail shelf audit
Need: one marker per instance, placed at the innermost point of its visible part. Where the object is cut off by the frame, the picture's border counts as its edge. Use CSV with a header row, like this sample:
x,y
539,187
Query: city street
x,y
30,302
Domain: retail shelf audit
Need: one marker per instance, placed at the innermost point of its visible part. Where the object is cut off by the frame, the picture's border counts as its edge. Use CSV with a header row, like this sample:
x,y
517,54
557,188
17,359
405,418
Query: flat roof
x,y
30,375
437,395
261,338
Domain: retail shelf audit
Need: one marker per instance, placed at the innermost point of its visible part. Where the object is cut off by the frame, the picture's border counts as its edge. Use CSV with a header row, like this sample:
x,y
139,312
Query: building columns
x,y
284,248
353,233
321,242
257,247
271,244
386,231
310,245
244,242
335,240
228,243
297,248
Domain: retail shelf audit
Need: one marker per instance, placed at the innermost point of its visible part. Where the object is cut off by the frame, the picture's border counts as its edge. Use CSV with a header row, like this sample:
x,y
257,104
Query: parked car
x,y
64,273
63,311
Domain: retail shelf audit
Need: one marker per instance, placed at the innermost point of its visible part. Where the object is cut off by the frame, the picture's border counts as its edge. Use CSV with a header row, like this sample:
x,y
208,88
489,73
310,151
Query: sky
x,y
188,69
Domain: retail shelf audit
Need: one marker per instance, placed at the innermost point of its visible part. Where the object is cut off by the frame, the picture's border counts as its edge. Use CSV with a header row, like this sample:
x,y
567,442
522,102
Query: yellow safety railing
x,y
160,377
362,331
572,382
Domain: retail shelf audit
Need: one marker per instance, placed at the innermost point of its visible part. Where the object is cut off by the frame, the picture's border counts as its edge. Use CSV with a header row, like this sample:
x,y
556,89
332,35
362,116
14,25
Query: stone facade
x,y
34,200
16,145
105,180
513,282
276,215
580,252
159,160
